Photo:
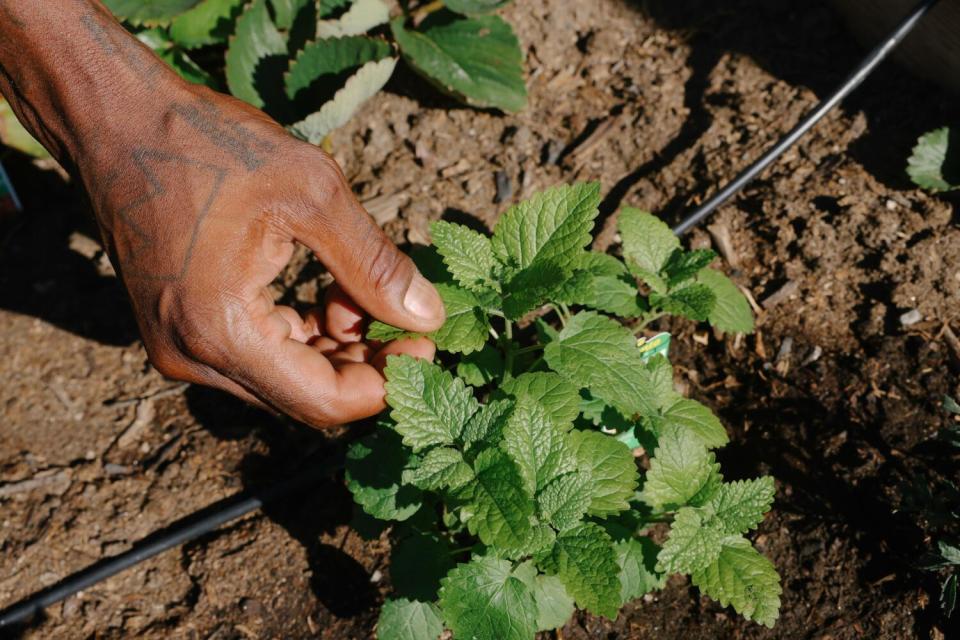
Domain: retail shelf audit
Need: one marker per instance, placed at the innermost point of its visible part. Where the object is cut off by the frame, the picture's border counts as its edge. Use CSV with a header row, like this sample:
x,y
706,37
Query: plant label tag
x,y
9,202
658,345
629,438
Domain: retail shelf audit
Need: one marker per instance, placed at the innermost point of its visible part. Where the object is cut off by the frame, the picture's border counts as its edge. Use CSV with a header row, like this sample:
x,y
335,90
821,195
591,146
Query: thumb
x,y
366,264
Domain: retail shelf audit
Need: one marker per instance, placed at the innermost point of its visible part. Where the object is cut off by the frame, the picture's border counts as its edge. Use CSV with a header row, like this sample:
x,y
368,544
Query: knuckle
x,y
327,180
196,335
385,265
168,364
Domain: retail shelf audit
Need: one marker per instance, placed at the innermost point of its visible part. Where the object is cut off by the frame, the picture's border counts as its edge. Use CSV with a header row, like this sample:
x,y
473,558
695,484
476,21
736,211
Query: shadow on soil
x,y
339,582
42,276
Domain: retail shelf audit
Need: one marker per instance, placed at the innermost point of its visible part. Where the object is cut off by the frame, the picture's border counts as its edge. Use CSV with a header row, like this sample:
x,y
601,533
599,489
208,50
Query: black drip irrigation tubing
x,y
212,517
182,531
854,80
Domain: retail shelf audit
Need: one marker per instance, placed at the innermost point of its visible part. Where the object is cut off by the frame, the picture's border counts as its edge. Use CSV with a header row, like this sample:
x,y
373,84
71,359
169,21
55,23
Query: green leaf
x,y
690,415
598,353
637,558
553,225
647,241
441,468
477,60
467,254
683,265
362,16
743,578
585,561
486,425
374,468
409,620
330,57
256,41
329,7
502,504
360,87
537,445
935,163
149,13
417,564
613,295
286,11
661,378
740,506
565,500
540,540
693,544
481,368
682,471
209,22
430,406
383,332
949,404
948,595
485,600
557,396
587,266
731,312
612,469
474,7
467,326
949,553
554,604
529,288
695,302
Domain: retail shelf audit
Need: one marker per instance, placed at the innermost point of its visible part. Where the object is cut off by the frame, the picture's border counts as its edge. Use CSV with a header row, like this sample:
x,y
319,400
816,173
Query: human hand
x,y
201,213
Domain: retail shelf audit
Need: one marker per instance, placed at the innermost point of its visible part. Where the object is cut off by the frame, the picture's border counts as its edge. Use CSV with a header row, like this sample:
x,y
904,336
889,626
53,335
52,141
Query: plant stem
x,y
556,309
423,11
566,313
530,349
536,363
647,319
508,349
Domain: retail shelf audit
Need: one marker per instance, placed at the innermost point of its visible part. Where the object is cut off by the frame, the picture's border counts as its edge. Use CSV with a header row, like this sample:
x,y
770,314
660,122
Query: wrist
x,y
77,79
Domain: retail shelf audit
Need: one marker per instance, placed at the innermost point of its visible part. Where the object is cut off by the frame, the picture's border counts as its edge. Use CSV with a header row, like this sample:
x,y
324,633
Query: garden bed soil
x,y
660,101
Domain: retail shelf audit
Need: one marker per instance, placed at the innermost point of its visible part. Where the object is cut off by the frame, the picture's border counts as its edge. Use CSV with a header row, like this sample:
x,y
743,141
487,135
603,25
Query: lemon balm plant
x,y
505,467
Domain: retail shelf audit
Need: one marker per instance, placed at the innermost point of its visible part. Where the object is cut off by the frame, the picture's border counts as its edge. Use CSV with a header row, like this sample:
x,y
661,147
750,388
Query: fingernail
x,y
422,300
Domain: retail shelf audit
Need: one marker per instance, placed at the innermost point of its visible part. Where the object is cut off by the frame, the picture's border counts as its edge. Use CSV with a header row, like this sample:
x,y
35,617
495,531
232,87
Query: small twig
x,y
156,395
422,12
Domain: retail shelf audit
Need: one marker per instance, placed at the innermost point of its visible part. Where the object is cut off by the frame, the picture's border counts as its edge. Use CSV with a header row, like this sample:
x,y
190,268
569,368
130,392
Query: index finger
x,y
299,380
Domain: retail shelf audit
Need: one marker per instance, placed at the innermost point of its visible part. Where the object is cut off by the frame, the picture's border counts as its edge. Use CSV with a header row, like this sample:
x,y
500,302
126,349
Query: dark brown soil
x,y
661,101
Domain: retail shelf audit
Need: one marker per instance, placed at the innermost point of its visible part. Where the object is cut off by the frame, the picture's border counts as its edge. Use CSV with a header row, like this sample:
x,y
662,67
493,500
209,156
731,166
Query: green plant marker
x,y
658,345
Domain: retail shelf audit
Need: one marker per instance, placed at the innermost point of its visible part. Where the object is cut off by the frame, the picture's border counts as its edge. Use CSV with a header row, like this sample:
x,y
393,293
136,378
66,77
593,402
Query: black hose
x,y
189,528
853,81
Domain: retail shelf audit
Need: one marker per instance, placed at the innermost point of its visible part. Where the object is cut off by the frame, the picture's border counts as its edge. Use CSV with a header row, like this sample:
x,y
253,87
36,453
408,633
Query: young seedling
x,y
505,468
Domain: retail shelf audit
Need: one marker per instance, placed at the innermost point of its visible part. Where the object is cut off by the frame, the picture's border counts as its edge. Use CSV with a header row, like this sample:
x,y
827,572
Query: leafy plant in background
x,y
510,470
935,163
312,63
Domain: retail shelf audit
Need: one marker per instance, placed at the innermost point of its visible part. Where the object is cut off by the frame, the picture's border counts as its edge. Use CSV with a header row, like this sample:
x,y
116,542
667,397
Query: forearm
x,y
74,76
